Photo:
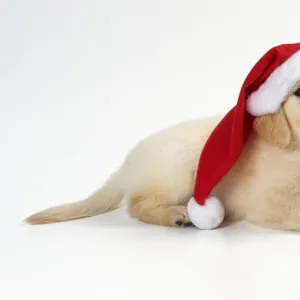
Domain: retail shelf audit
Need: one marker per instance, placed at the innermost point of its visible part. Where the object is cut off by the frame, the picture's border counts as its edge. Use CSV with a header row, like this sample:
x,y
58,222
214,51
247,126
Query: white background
x,y
80,83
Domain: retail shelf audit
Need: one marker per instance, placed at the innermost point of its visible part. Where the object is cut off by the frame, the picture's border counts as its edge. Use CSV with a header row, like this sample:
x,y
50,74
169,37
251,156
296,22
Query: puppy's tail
x,y
104,200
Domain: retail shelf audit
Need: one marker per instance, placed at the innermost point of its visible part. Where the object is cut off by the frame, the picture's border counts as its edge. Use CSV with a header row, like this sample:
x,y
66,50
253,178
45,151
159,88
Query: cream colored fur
x,y
157,177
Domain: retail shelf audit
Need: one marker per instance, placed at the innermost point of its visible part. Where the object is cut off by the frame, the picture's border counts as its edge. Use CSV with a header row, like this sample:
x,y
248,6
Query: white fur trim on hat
x,y
269,96
208,216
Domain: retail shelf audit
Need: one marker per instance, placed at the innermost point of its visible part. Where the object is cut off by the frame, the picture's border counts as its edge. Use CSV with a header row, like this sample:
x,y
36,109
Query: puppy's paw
x,y
179,217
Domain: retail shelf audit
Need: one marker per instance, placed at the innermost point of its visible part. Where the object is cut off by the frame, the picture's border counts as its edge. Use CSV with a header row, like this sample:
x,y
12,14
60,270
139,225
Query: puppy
x,y
157,177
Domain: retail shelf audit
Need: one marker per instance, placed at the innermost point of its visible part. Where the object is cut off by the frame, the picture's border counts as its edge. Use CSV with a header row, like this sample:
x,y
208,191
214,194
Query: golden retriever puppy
x,y
157,177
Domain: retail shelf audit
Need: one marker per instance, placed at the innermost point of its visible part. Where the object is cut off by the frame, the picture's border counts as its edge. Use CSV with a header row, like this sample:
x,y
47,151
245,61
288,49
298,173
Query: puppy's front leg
x,y
280,212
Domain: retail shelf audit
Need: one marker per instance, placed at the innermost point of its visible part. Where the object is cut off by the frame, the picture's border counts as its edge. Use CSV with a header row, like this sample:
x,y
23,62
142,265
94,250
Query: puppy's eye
x,y
297,92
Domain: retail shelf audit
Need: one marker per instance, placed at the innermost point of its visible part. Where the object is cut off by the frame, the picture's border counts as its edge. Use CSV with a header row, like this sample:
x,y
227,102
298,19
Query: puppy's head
x,y
282,128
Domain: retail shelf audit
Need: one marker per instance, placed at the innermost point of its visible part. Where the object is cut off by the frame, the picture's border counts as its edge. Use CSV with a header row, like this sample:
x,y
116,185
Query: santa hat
x,y
262,92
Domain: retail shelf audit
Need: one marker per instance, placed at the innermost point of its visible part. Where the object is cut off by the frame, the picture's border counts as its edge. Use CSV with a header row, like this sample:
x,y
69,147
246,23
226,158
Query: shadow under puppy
x,y
177,176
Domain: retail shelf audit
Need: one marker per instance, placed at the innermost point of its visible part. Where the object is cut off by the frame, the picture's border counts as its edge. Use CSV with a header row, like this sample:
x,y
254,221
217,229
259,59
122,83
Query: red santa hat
x,y
262,92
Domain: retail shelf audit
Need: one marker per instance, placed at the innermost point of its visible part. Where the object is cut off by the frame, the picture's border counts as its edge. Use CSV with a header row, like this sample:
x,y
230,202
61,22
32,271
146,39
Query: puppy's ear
x,y
274,128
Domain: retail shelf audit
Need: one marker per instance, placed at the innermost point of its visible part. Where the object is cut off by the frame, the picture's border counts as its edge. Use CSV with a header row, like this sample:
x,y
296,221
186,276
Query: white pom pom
x,y
208,216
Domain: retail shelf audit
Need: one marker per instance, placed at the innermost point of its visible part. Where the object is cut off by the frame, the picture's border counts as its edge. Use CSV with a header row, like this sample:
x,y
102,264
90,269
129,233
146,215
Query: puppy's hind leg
x,y
155,206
